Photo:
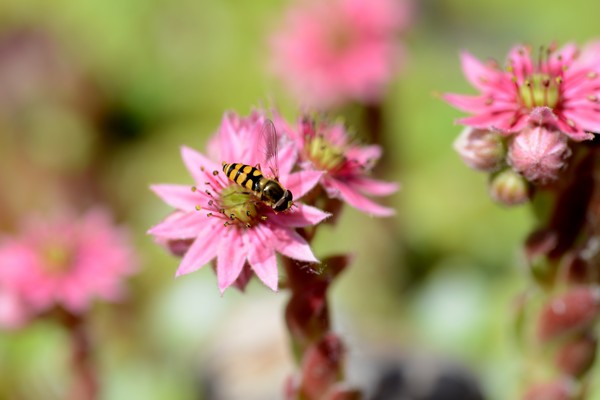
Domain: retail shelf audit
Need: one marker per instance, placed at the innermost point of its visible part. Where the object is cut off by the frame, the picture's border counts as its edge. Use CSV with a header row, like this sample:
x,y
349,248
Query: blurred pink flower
x,y
559,88
64,262
346,165
331,52
227,222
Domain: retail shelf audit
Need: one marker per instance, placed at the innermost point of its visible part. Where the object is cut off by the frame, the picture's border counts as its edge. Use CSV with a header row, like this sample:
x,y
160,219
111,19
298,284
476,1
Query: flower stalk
x,y
84,384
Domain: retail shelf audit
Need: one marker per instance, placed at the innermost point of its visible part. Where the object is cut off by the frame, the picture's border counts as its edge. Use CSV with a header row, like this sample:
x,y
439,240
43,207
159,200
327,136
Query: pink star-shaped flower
x,y
227,222
346,165
560,88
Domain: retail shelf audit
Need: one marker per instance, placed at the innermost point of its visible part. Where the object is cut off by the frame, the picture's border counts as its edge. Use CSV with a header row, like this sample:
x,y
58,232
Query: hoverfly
x,y
267,190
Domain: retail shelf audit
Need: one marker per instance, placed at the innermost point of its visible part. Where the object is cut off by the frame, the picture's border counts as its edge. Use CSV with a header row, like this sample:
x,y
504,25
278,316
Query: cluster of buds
x,y
528,118
536,156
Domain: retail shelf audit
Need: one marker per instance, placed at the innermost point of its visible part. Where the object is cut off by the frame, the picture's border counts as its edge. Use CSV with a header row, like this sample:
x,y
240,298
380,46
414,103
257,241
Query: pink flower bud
x,y
573,310
539,154
563,389
480,149
509,188
576,357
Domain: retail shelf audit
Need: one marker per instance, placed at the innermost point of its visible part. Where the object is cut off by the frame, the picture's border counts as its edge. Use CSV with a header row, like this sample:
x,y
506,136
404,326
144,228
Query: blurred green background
x,y
139,78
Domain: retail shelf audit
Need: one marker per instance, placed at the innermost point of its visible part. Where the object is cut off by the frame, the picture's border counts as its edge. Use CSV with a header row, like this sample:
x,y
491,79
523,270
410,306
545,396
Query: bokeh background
x,y
96,98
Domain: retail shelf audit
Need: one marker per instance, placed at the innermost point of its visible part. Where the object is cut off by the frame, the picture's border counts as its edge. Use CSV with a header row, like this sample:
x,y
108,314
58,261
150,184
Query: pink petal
x,y
287,158
364,154
231,257
473,104
301,215
353,197
180,197
586,120
477,73
300,183
180,225
289,243
199,166
519,57
13,313
374,187
490,121
262,258
202,250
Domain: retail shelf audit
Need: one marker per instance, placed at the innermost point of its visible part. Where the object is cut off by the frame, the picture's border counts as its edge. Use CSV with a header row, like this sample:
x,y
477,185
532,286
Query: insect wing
x,y
270,142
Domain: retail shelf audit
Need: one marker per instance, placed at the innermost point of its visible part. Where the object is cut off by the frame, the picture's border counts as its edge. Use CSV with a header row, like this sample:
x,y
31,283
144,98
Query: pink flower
x,y
227,221
64,262
346,165
558,88
331,52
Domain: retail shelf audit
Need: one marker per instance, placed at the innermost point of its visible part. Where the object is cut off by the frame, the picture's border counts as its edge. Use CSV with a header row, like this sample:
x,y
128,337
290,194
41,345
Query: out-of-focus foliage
x,y
142,77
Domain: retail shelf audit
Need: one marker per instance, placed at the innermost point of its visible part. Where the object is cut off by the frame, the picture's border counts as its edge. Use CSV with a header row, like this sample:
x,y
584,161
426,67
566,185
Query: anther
x,y
248,225
222,211
209,214
208,192
592,97
198,208
232,216
215,172
226,223
247,213
194,188
202,169
263,217
210,202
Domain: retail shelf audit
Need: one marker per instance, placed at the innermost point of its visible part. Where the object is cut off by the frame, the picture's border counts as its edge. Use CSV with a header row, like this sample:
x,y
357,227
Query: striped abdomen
x,y
267,190
244,175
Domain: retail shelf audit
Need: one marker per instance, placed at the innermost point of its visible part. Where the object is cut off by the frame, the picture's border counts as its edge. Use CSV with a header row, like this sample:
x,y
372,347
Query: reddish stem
x,y
85,382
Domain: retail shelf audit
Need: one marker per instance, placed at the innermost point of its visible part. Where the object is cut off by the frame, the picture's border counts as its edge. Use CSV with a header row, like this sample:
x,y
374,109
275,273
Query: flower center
x,y
540,90
324,155
340,39
238,206
58,258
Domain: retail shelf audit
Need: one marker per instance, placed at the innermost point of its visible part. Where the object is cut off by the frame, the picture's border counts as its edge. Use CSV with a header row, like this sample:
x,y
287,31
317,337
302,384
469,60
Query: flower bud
x,y
571,311
538,154
577,356
480,149
509,188
563,389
